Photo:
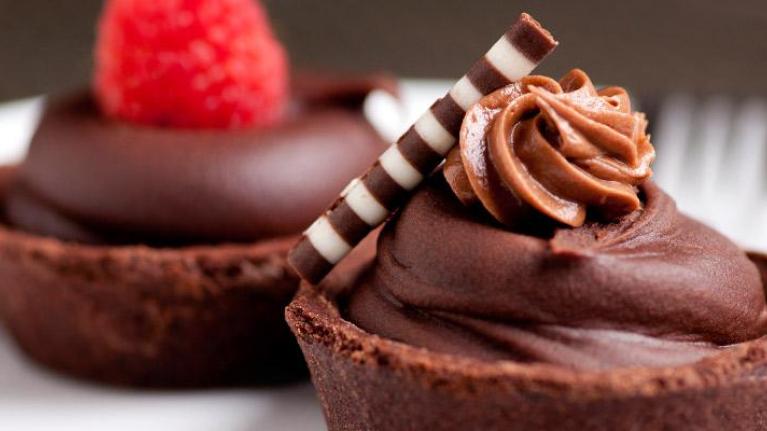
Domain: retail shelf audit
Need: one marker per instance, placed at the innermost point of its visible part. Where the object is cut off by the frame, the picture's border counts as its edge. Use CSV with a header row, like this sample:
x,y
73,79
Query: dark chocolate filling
x,y
654,289
90,179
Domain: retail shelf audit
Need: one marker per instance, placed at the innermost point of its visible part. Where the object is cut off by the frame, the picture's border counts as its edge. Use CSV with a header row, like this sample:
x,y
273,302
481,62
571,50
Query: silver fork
x,y
712,157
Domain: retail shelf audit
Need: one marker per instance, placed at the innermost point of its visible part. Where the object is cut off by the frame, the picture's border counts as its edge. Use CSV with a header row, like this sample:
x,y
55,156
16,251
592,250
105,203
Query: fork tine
x,y
671,138
742,168
712,124
742,184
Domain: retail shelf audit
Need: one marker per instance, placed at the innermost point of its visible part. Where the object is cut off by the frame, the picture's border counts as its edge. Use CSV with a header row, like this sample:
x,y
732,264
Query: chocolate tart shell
x,y
135,315
366,382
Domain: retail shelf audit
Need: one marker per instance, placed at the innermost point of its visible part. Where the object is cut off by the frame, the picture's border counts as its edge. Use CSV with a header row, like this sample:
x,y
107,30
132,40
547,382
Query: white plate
x,y
34,399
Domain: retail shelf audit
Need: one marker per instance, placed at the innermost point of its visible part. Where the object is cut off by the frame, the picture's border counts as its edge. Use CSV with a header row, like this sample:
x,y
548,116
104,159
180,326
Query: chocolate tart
x,y
367,382
541,281
152,257
136,315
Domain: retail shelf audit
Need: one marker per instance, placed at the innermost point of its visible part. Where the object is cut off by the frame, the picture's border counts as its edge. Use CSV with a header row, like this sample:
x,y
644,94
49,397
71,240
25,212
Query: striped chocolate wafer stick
x,y
367,201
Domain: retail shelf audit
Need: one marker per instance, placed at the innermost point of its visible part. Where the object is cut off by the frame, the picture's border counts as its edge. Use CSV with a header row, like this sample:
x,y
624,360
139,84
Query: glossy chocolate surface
x,y
91,179
655,288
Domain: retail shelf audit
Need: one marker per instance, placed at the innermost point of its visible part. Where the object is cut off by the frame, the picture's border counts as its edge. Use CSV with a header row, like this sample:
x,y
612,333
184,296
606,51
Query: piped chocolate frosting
x,y
95,180
552,148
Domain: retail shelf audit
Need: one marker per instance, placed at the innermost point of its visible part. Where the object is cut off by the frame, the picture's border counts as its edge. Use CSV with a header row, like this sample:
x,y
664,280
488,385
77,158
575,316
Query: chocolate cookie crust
x,y
135,315
366,382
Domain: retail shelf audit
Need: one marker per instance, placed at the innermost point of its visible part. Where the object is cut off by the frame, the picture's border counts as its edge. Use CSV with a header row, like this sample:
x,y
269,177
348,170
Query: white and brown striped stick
x,y
367,201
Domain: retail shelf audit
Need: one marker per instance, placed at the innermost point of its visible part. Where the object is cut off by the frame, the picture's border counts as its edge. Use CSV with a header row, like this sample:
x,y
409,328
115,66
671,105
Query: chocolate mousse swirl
x,y
560,149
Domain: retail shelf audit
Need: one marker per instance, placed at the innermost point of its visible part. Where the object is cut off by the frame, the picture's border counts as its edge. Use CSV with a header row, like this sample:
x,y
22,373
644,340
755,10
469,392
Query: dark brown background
x,y
650,46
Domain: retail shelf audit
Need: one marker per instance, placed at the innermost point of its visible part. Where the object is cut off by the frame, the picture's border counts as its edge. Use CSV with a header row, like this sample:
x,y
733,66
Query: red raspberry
x,y
189,63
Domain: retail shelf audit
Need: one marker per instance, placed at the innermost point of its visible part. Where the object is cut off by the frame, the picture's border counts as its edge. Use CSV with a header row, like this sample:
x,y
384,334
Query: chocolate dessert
x,y
91,179
147,230
651,288
539,280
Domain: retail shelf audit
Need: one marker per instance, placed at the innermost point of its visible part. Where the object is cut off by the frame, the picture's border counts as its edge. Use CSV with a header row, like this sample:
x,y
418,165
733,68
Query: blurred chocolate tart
x,y
541,281
146,231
